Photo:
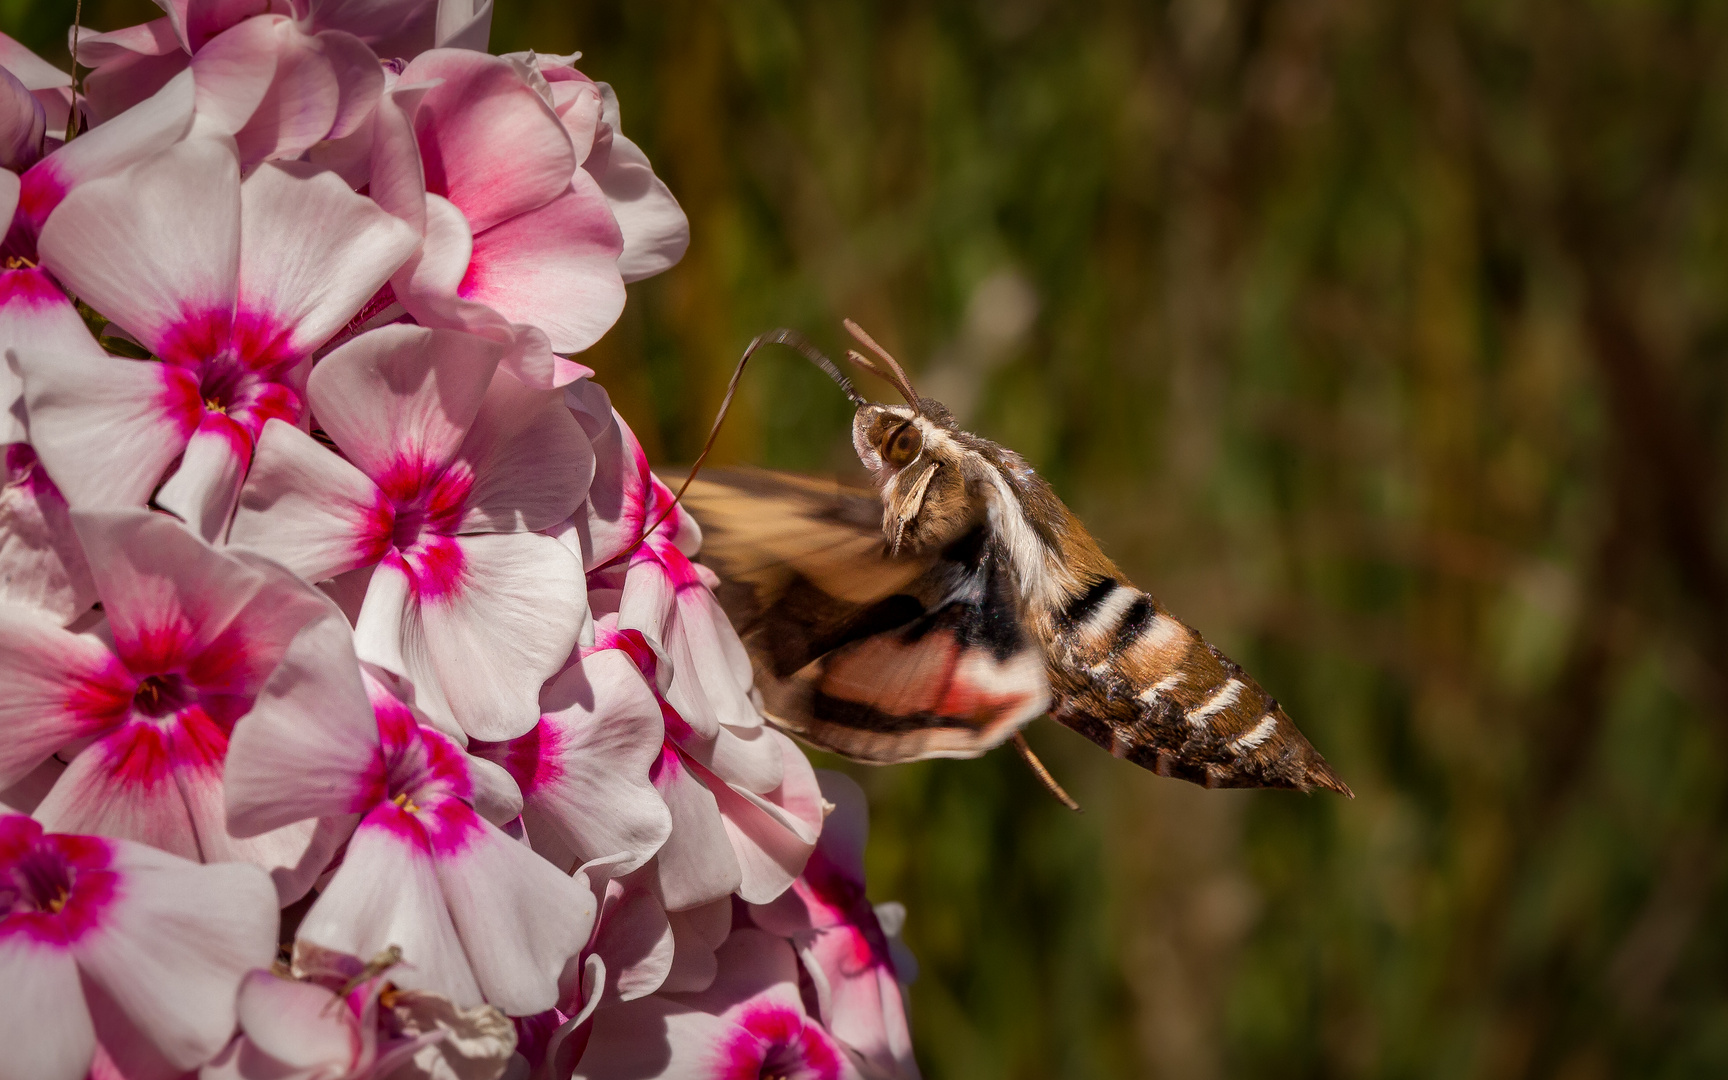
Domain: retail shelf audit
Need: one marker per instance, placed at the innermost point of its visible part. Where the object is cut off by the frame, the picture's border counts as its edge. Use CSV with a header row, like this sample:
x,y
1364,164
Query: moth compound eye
x,y
903,445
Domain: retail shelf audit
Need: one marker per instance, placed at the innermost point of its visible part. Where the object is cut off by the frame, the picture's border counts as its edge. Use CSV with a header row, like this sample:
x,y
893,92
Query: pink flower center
x,y
422,510
43,883
53,888
420,788
163,695
775,1043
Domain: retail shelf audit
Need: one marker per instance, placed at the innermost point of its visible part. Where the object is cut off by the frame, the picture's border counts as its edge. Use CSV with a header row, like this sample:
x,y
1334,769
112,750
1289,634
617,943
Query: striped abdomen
x,y
1145,686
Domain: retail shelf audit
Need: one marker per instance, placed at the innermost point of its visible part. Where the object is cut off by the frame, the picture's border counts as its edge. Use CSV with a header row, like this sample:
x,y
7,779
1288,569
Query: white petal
x,y
402,393
203,490
107,428
52,689
35,315
696,864
387,893
531,460
696,933
305,748
44,1023
299,1024
507,627
157,247
519,917
307,508
312,251
181,938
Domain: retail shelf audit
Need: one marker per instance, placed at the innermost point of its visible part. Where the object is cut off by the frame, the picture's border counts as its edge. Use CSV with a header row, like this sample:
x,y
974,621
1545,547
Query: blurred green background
x,y
1384,342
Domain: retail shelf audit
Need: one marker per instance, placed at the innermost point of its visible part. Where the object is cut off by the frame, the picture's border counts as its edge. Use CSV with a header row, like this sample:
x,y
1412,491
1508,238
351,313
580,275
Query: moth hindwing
x,y
939,614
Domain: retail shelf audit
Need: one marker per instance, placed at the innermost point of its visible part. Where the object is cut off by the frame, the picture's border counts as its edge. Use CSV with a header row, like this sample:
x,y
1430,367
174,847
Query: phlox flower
x,y
583,769
840,941
146,129
513,224
481,917
448,466
190,636
35,101
112,944
278,77
331,1016
749,1023
130,63
231,285
614,515
745,806
41,564
654,227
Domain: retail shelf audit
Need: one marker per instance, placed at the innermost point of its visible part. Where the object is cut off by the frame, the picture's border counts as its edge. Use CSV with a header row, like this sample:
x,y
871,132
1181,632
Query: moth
x,y
940,613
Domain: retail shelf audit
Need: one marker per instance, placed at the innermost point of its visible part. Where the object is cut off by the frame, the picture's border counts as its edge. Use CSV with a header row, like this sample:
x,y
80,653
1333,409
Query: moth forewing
x,y
938,615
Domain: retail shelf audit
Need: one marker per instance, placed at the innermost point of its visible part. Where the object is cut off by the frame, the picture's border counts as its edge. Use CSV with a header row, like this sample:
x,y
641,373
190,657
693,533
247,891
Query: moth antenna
x,y
898,376
789,338
794,340
1043,774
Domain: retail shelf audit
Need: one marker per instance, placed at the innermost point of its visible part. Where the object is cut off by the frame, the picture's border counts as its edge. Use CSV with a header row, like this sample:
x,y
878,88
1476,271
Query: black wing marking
x,y
876,657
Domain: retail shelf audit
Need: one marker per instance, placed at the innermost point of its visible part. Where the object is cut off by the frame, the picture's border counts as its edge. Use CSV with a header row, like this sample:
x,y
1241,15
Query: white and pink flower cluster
x,y
349,724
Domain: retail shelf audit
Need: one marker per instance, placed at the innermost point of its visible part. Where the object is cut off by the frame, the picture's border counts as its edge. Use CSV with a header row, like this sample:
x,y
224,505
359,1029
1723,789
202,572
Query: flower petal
x,y
301,105
584,767
489,144
696,933
464,24
502,630
35,315
774,835
554,267
519,917
312,252
107,428
123,785
44,1022
131,64
654,227
168,594
156,248
299,1024
307,508
635,937
142,130
30,69
23,122
42,564
303,750
55,687
234,71
203,490
171,957
385,893
402,394
530,459
696,864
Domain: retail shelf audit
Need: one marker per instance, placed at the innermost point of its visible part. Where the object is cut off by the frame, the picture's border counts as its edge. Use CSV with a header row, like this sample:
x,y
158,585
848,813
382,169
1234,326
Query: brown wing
x,y
875,657
1145,686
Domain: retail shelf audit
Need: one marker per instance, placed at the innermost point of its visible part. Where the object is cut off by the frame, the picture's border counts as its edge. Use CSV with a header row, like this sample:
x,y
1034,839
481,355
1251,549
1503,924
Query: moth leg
x,y
1043,774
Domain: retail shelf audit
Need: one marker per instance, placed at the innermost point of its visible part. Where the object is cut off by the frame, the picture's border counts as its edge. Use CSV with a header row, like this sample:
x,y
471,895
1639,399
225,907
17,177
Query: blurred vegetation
x,y
1385,343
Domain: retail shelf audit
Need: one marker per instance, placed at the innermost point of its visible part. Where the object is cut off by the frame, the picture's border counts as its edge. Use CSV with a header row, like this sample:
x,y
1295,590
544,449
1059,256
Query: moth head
x,y
920,467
